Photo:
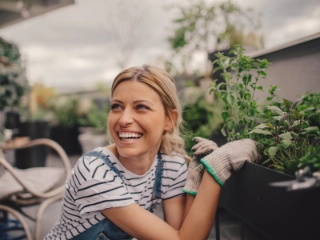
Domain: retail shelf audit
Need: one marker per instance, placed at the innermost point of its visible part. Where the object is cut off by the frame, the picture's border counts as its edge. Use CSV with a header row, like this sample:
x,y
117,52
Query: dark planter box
x,y
271,212
67,137
35,156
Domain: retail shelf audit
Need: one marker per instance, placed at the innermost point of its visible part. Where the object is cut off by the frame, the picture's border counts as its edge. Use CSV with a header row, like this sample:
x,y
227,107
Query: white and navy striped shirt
x,y
93,186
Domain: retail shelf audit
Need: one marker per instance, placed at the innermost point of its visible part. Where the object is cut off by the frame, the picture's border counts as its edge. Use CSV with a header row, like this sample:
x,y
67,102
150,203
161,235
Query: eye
x,y
142,107
115,106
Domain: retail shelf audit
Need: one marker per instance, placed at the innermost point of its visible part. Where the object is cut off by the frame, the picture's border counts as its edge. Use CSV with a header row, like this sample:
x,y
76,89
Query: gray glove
x,y
203,147
196,169
230,157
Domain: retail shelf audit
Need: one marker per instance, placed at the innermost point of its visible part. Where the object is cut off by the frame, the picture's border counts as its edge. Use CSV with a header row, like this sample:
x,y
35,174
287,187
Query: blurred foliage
x,y
210,26
311,159
13,82
200,119
311,99
65,108
37,104
96,117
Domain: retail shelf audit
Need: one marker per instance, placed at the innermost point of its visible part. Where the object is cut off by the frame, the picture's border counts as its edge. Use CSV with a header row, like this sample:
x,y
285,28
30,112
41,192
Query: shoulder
x,y
173,160
174,175
93,164
173,164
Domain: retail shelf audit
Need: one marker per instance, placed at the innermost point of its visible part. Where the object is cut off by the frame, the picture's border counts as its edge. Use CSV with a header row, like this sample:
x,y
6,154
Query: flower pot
x,y
271,212
90,141
67,137
35,156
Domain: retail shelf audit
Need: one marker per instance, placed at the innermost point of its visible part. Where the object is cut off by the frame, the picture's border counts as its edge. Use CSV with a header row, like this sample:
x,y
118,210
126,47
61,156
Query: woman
x,y
113,190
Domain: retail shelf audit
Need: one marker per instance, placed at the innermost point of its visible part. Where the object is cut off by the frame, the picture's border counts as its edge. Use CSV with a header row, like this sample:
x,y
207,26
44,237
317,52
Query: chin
x,y
128,152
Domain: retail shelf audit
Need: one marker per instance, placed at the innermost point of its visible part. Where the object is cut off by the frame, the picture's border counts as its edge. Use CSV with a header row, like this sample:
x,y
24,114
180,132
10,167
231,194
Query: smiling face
x,y
137,121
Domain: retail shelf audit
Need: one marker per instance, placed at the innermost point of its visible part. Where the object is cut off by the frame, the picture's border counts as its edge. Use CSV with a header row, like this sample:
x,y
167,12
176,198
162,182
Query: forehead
x,y
135,90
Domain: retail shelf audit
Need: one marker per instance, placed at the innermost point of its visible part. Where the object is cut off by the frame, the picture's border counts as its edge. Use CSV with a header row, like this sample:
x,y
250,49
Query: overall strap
x,y
156,191
105,159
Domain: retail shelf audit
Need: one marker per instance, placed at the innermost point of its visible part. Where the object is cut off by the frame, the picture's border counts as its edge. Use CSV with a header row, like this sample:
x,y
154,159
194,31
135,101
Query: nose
x,y
126,118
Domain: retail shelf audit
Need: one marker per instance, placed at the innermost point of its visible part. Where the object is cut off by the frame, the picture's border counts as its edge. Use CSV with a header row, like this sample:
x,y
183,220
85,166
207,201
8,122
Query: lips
x,y
129,135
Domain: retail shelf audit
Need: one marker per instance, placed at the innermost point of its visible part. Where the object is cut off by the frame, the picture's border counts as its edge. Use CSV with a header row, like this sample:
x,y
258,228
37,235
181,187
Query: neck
x,y
138,164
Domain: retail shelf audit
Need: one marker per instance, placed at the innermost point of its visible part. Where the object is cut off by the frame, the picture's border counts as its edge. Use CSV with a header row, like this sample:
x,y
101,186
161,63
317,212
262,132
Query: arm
x,y
197,224
173,210
198,221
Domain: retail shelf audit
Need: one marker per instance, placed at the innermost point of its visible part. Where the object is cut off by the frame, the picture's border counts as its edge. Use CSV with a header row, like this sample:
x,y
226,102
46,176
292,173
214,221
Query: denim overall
x,y
105,229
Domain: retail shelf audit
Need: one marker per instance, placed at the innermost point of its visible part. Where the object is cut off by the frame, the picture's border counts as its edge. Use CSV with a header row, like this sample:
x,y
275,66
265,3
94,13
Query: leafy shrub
x,y
13,82
284,130
286,136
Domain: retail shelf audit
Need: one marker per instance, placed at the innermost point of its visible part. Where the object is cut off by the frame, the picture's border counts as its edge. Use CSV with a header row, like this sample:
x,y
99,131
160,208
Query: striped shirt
x,y
93,186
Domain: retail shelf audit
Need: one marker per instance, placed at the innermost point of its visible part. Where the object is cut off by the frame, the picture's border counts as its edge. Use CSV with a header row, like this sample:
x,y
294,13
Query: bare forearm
x,y
200,217
197,225
189,201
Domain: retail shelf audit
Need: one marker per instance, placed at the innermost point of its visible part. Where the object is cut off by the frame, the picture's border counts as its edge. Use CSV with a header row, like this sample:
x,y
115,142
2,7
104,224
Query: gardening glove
x,y
203,147
195,168
230,157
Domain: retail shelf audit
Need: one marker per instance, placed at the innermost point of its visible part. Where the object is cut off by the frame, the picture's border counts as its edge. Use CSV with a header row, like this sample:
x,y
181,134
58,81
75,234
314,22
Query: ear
x,y
171,120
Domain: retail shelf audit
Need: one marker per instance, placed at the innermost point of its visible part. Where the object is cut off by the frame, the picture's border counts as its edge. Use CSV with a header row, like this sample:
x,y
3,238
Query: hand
x,y
195,168
230,157
203,147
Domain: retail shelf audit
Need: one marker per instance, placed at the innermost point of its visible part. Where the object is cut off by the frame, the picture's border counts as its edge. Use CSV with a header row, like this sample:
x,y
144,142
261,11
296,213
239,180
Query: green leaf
x,y
296,123
266,161
224,115
307,110
276,110
287,104
263,73
260,88
286,136
311,129
230,99
222,84
264,125
223,131
286,143
260,131
272,151
216,69
278,118
231,125
247,96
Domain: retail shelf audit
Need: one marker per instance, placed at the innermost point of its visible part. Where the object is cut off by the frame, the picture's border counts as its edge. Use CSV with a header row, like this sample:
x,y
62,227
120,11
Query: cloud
x,y
75,46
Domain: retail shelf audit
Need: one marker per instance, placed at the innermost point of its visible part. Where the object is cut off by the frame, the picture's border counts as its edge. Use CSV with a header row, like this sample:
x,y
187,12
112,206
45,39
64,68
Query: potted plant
x,y
285,137
65,124
34,122
94,127
13,85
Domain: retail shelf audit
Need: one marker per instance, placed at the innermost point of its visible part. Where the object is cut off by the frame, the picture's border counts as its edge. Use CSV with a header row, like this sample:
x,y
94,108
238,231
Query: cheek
x,y
110,121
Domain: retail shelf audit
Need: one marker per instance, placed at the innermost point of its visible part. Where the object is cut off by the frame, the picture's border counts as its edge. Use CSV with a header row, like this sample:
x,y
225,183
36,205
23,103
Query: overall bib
x,y
105,229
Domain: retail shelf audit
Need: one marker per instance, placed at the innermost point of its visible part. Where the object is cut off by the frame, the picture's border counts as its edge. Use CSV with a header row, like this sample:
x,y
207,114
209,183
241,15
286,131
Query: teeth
x,y
129,135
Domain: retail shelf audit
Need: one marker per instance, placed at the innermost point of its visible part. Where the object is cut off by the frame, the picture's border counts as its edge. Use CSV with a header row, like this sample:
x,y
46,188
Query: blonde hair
x,y
161,82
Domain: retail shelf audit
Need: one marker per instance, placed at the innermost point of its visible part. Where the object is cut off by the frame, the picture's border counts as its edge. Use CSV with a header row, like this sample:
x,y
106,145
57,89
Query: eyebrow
x,y
135,102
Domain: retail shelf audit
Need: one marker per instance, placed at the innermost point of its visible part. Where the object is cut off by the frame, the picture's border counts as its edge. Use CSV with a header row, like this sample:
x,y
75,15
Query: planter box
x,y
271,212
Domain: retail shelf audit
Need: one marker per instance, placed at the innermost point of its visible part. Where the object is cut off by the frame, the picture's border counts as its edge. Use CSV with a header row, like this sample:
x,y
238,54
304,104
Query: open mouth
x,y
129,136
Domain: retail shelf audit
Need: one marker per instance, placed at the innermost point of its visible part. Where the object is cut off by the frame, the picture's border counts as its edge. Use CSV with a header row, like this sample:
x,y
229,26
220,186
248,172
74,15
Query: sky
x,y
78,46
